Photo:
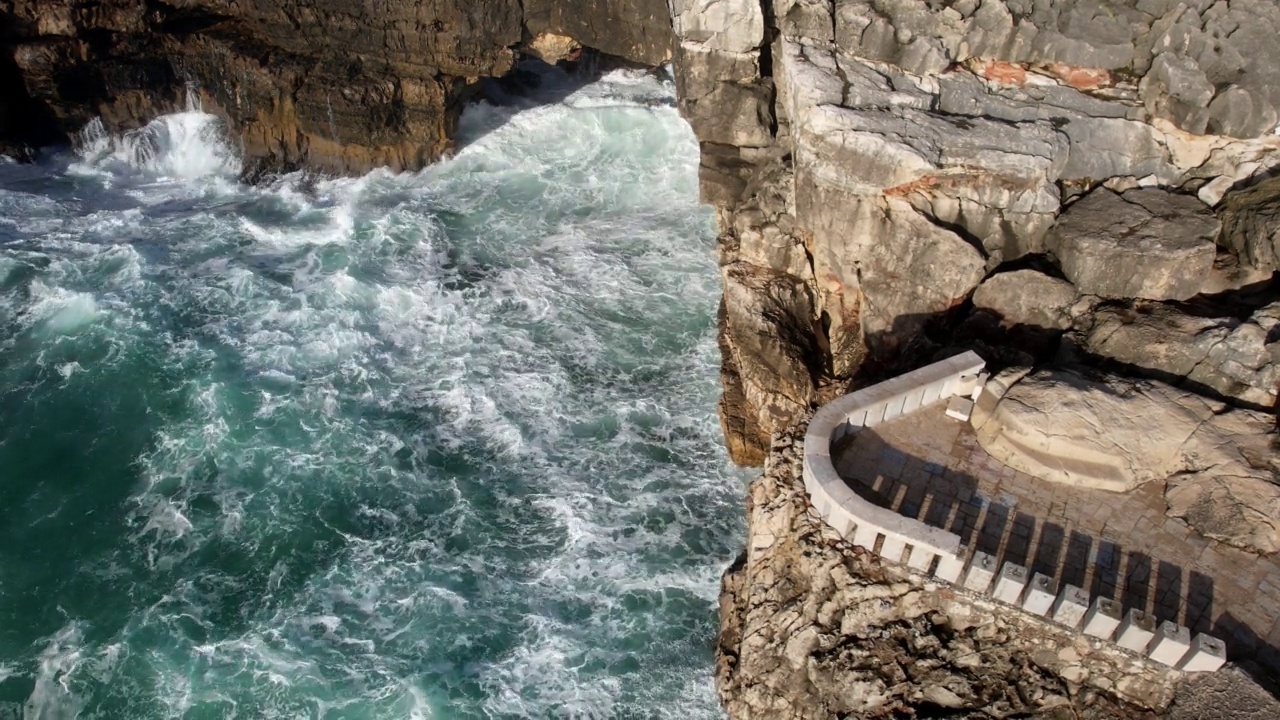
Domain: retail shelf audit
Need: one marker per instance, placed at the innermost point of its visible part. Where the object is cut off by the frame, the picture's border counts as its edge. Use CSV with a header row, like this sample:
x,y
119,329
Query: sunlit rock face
x,y
894,155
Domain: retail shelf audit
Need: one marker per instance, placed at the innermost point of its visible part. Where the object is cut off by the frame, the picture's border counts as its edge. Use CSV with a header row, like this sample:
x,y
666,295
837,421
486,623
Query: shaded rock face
x,y
1251,224
1028,297
759,325
319,83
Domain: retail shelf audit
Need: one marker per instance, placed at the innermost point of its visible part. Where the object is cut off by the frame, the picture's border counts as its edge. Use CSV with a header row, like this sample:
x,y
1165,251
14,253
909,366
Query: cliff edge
x,y
1084,185
331,85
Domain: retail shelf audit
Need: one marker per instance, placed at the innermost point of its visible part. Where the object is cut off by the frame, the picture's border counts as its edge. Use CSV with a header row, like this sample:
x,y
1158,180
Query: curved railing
x,y
929,549
851,514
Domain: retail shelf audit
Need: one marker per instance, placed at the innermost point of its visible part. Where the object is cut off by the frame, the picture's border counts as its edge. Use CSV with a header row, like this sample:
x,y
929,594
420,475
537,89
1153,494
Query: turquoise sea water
x,y
430,445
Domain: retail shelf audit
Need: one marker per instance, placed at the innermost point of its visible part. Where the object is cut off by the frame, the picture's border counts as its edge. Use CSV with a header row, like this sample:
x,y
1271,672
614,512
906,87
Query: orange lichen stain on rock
x,y
959,177
928,182
833,283
999,71
1080,78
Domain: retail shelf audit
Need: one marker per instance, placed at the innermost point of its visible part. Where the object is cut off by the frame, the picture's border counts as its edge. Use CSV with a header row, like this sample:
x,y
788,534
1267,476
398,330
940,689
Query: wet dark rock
x,y
333,85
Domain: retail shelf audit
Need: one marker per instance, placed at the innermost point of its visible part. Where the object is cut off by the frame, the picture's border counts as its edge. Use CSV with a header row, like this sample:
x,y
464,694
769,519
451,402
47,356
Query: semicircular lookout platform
x,y
897,469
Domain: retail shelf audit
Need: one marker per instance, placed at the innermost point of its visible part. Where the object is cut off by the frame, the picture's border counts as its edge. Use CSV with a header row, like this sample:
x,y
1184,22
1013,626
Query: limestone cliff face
x,y
876,161
335,85
1077,183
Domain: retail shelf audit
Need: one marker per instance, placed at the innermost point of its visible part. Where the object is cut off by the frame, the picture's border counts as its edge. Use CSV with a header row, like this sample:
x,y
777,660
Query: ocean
x,y
429,445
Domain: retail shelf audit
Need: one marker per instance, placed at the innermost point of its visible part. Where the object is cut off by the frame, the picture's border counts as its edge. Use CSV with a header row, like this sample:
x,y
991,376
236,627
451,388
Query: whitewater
x,y
430,445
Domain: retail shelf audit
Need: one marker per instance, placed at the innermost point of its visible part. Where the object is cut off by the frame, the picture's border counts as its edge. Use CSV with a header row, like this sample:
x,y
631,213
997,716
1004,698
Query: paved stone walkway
x,y
1118,545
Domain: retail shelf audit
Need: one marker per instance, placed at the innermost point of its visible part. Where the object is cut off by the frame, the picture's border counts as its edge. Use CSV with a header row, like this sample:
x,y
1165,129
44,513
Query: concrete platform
x,y
1118,546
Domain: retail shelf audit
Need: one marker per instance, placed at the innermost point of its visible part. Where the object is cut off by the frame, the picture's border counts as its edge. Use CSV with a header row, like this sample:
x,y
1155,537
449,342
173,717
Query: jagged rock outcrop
x,y
913,149
814,628
1189,74
1251,224
1223,355
1028,297
760,311
334,85
1143,243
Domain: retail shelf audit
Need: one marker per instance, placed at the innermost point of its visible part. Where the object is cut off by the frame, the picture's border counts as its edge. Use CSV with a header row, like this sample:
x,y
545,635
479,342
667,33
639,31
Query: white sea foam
x,y
51,697
182,146
58,310
425,445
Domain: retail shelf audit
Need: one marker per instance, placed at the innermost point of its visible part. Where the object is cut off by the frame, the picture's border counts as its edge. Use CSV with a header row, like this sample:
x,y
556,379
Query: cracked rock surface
x,y
916,149
814,628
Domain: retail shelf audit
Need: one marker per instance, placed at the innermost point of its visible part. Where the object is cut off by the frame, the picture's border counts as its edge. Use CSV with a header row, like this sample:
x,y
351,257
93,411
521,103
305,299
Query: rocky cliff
x,y
896,176
1075,181
1065,183
334,85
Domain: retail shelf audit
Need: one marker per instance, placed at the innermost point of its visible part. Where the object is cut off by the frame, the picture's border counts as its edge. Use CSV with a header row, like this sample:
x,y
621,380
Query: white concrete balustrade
x,y
929,549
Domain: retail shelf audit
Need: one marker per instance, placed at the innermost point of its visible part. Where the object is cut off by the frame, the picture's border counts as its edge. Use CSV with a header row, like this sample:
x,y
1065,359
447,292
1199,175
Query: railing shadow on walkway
x,y
949,499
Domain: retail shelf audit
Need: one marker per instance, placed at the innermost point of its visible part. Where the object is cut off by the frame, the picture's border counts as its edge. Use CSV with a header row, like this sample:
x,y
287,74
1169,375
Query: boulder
x,y
1106,433
1155,336
1144,243
1251,224
1236,359
1246,364
1219,466
1027,297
